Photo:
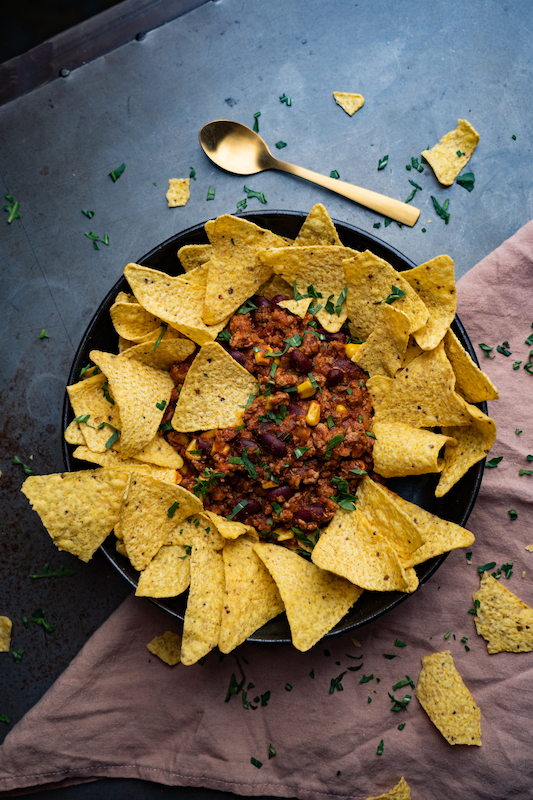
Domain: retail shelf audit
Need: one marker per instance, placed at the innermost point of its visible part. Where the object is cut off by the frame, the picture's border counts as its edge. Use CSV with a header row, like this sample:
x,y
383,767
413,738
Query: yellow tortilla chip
x,y
352,548
166,353
78,509
413,350
167,575
504,621
194,255
195,527
384,350
132,322
73,434
434,283
401,450
446,700
296,307
251,596
349,102
440,534
229,528
5,634
318,228
422,394
178,301
112,459
141,393
388,518
315,600
370,280
235,272
201,625
443,158
473,445
214,392
274,286
89,397
150,511
399,792
166,647
121,548
178,192
123,345
472,384
377,387
125,297
319,266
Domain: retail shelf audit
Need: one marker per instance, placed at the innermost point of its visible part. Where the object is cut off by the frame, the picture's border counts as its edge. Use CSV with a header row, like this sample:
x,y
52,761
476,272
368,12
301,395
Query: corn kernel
x,y
260,358
182,439
183,470
208,434
306,389
269,485
192,456
225,450
313,414
179,477
283,535
342,410
269,406
351,350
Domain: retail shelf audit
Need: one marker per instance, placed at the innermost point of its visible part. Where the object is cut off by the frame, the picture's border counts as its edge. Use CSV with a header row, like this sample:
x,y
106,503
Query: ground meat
x,y
282,470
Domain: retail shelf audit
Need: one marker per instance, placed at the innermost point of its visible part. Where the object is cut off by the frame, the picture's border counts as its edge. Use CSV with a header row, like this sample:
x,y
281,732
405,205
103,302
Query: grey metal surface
x,y
420,67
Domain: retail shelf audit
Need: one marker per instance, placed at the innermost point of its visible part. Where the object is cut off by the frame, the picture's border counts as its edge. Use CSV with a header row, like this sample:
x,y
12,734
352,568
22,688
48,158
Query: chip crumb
x,y
167,647
502,619
399,792
529,548
5,634
349,101
178,192
356,643
523,573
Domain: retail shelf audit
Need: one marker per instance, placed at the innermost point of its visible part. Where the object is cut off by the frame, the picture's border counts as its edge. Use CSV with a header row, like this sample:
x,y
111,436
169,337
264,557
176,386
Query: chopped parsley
x,y
512,513
379,751
300,451
192,174
442,210
26,470
503,350
395,294
376,225
4,718
43,334
164,327
13,209
285,99
17,655
382,163
203,484
407,682
271,751
486,349
172,510
336,683
116,173
59,573
256,121
105,392
161,405
467,181
334,174
366,678
333,442
516,364
399,705
517,431
210,193
241,205
38,618
280,145
399,643
253,760
401,726
493,462
247,307
260,196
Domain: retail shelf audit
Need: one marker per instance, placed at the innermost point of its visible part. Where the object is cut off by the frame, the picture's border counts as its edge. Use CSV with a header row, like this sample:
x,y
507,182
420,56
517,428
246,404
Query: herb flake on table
x,y
442,210
27,470
43,334
285,99
280,145
503,350
87,213
211,193
493,462
407,682
382,163
116,173
399,643
192,174
61,572
486,349
5,718
271,751
466,180
38,618
379,751
256,121
17,655
13,209
336,683
513,514
256,763
334,174
260,196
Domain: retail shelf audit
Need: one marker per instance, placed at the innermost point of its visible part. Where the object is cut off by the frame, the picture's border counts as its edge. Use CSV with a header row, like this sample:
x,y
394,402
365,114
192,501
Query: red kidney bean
x,y
273,444
310,513
205,445
300,361
294,408
239,357
247,444
277,299
336,337
261,301
345,365
280,493
253,506
335,376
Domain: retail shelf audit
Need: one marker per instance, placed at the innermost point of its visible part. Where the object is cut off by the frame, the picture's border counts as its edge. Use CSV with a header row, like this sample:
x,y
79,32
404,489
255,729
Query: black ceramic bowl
x,y
455,506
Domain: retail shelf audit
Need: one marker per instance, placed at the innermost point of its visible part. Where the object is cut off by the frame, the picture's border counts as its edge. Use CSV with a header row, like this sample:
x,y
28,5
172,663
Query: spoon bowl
x,y
238,149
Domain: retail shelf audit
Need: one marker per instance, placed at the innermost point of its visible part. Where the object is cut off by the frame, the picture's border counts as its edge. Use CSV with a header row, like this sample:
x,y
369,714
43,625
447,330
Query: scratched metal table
x,y
419,66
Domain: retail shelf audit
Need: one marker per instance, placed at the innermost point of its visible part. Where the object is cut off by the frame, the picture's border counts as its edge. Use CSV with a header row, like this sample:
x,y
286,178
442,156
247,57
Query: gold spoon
x,y
238,149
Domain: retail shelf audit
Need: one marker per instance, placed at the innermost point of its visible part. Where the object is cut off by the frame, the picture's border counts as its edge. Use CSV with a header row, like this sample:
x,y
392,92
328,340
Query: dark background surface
x,y
143,104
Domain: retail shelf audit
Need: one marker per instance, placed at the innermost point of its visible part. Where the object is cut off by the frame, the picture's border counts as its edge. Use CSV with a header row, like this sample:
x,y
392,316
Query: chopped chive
x,y
211,193
192,174
116,173
442,210
382,163
260,196
280,145
87,213
256,763
379,751
334,174
172,510
285,99
485,567
256,121
512,513
486,349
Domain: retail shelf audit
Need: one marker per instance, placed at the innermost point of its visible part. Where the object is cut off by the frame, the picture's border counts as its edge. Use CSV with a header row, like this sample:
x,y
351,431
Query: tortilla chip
x,y
125,297
87,397
178,301
201,625
352,548
123,345
196,527
401,450
388,518
473,445
377,387
446,700
318,228
274,286
113,459
214,392
121,548
504,621
251,596
132,322
443,158
78,509
167,575
229,529
5,634
150,511
434,283
422,394
296,307
472,384
178,192
73,434
166,647
413,350
165,354
384,350
400,792
349,102
192,256
315,600
319,266
138,391
441,535
235,272
370,280
209,229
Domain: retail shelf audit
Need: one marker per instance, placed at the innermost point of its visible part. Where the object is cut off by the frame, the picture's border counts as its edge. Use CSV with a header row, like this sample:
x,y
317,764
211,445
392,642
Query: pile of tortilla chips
x,y
420,379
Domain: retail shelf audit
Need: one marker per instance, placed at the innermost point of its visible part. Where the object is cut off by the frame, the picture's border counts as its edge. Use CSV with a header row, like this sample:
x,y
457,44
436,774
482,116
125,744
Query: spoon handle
x,y
394,209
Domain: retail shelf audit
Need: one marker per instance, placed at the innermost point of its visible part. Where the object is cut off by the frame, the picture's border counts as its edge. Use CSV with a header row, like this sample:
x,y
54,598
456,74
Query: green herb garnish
x,y
486,349
285,99
512,513
239,507
115,175
17,655
38,618
333,442
13,210
379,751
253,760
442,210
382,163
493,462
260,196
164,327
210,193
161,405
271,751
192,174
485,567
395,294
334,174
256,121
366,678
280,145
27,470
466,180
59,573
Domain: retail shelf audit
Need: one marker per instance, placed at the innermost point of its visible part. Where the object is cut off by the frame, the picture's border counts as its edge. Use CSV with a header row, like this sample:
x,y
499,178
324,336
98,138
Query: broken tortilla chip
x,y
384,350
473,444
349,101
444,157
472,384
132,322
434,283
318,228
202,621
229,528
5,634
401,450
178,192
73,434
446,700
214,392
78,509
167,575
166,647
504,621
273,286
192,256
399,792
315,600
297,307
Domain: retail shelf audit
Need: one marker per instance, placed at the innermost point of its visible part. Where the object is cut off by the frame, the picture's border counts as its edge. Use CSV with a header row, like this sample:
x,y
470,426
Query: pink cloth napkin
x,y
118,711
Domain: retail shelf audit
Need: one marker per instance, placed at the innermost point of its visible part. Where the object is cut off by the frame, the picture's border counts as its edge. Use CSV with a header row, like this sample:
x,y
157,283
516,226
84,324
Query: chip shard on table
x,y
441,692
178,192
399,792
167,647
349,101
443,157
5,634
502,619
